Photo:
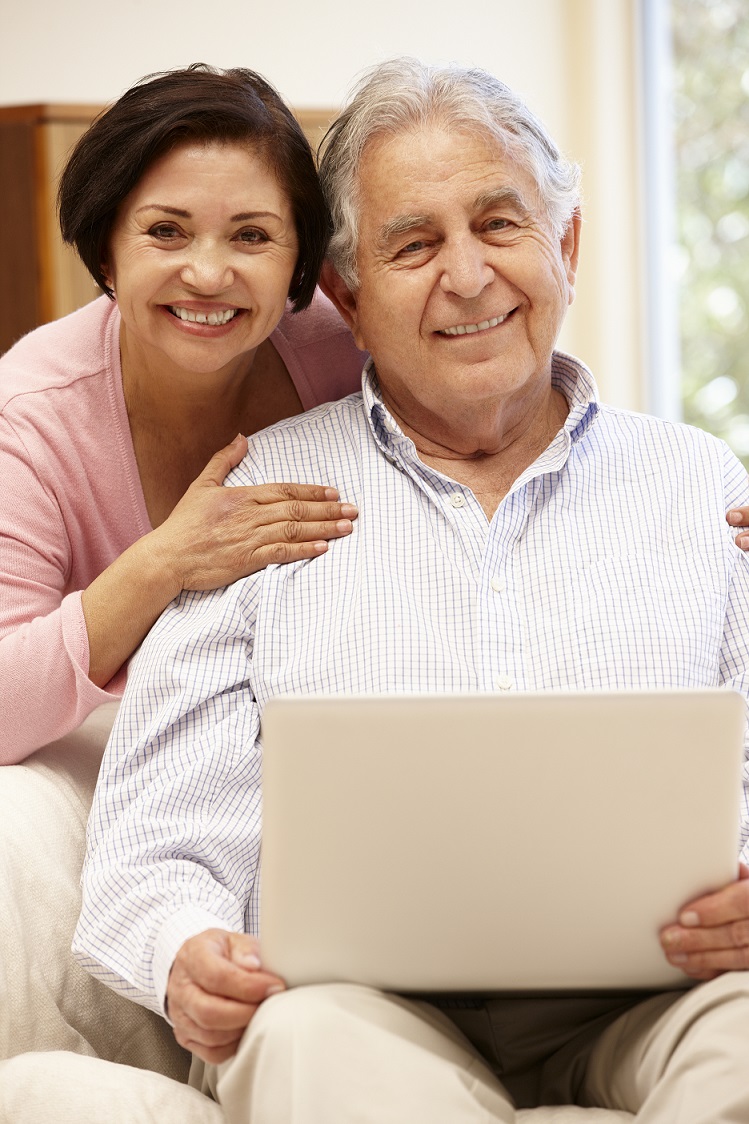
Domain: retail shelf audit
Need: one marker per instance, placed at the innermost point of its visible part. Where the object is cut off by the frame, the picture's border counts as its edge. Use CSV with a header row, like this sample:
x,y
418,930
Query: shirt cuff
x,y
178,928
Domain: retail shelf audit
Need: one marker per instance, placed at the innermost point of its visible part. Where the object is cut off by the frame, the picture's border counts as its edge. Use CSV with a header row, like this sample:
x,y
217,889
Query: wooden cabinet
x,y
40,277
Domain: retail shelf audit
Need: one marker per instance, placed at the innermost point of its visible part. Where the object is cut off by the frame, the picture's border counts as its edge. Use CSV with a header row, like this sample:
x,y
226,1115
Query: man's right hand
x,y
215,986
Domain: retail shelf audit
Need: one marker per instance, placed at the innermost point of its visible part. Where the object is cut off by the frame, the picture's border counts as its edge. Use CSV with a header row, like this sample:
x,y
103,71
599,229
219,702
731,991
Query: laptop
x,y
492,843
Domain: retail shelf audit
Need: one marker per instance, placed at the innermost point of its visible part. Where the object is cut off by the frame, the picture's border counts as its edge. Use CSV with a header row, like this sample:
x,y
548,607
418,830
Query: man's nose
x,y
206,269
466,269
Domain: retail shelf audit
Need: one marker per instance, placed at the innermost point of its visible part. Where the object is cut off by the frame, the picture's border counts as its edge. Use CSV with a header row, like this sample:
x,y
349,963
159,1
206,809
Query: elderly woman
x,y
195,205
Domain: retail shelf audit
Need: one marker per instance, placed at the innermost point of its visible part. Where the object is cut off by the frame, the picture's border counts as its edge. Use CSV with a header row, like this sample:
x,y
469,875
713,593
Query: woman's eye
x,y
165,231
252,237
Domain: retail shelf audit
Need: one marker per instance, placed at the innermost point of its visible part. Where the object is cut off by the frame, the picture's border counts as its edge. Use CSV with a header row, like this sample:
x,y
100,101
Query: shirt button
x,y
503,682
499,585
457,499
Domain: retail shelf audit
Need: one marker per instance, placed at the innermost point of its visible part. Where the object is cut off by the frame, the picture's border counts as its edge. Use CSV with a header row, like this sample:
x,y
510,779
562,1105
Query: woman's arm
x,y
61,651
214,536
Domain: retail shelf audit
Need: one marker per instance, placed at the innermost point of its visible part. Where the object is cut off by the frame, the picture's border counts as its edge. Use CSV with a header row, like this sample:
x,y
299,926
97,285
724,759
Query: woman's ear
x,y
337,291
107,276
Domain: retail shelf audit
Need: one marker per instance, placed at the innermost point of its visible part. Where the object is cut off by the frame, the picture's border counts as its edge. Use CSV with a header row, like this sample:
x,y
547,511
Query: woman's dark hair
x,y
200,104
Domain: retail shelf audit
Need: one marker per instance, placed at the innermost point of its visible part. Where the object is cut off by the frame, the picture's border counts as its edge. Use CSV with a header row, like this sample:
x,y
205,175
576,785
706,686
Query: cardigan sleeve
x,y
44,655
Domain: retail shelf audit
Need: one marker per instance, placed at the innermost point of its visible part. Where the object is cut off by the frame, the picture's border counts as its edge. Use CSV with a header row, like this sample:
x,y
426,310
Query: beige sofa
x,y
73,1051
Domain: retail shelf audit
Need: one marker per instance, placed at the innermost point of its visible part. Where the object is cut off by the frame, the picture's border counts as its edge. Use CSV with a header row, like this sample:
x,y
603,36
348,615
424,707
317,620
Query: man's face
x,y
463,283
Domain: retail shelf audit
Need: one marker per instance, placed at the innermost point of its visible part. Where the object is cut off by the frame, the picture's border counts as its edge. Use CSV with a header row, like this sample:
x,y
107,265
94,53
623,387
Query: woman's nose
x,y
206,269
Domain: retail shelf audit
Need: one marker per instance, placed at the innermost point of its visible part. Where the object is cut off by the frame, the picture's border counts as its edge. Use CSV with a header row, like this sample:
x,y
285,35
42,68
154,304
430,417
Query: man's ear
x,y
337,291
571,250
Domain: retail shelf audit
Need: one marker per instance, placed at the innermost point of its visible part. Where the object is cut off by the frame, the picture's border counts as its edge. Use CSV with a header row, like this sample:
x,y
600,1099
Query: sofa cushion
x,y
75,1089
48,1001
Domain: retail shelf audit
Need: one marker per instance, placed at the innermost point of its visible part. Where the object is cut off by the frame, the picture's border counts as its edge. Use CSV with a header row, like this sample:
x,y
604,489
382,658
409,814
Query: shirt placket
x,y
499,600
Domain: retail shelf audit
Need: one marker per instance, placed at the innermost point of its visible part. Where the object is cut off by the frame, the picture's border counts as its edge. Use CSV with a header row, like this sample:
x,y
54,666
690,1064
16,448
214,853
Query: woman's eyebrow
x,y
243,216
163,207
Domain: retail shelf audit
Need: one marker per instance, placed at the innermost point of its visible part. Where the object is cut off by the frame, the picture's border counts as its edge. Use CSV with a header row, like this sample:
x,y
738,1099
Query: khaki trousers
x,y
345,1054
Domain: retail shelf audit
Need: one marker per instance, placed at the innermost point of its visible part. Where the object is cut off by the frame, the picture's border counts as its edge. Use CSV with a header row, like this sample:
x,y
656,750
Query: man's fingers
x,y
211,1045
214,1021
711,962
676,939
213,1055
712,935
222,979
731,903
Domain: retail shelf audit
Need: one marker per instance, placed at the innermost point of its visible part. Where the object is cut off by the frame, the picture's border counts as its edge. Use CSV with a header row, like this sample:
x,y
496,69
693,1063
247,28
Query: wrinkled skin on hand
x,y
216,985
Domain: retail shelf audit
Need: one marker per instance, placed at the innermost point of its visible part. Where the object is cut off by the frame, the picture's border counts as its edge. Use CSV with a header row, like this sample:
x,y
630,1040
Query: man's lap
x,y
603,1051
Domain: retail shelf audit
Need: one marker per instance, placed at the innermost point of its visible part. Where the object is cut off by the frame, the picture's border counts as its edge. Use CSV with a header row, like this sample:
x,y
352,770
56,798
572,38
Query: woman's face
x,y
201,258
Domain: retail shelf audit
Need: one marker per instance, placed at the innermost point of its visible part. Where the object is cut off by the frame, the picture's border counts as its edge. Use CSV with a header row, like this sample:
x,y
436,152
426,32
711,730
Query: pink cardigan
x,y
72,502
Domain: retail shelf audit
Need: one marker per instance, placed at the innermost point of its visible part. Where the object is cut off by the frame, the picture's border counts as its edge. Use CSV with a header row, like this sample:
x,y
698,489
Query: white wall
x,y
572,60
87,50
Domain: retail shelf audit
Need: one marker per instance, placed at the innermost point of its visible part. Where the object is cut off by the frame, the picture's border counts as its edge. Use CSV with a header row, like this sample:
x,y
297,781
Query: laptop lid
x,y
493,843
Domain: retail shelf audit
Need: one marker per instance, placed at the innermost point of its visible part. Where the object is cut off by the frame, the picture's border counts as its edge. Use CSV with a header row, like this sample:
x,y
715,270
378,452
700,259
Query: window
x,y
709,255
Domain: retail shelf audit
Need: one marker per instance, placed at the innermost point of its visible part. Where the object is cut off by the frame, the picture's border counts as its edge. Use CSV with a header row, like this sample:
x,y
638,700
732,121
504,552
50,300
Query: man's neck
x,y
488,456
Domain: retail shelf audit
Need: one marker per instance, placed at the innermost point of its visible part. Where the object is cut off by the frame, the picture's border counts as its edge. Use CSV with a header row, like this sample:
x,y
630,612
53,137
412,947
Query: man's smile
x,y
469,329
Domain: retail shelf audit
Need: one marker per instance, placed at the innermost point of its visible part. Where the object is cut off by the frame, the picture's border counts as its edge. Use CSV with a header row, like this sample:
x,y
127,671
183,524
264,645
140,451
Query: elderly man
x,y
513,534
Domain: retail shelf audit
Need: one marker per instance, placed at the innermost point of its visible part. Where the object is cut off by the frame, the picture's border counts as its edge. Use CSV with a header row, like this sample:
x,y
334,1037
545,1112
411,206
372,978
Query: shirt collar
x,y
568,375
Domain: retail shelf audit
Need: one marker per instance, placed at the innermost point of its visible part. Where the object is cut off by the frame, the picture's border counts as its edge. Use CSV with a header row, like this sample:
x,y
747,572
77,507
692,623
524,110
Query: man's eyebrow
x,y
502,197
243,216
498,197
400,225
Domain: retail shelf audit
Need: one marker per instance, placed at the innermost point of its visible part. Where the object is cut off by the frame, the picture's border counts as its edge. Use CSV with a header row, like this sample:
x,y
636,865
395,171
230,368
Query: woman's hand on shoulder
x,y
739,517
216,535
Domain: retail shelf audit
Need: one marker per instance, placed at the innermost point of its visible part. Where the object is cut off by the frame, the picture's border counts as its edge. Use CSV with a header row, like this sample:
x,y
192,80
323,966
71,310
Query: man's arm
x,y
174,834
712,932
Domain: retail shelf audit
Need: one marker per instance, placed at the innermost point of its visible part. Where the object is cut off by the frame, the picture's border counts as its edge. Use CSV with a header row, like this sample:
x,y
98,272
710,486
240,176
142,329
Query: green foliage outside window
x,y
711,107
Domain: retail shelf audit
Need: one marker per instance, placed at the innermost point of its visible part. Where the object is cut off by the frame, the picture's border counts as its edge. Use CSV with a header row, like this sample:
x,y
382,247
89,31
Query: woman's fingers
x,y
267,504
739,517
284,492
222,462
216,535
245,535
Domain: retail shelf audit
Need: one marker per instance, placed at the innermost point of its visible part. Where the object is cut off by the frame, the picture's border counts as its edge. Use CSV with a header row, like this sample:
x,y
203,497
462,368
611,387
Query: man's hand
x,y
215,986
712,935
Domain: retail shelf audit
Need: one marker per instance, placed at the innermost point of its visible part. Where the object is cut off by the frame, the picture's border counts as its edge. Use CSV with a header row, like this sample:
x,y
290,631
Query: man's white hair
x,y
405,94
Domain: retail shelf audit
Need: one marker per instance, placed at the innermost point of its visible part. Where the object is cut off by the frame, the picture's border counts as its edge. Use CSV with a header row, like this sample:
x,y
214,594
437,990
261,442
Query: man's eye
x,y
413,247
499,224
